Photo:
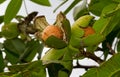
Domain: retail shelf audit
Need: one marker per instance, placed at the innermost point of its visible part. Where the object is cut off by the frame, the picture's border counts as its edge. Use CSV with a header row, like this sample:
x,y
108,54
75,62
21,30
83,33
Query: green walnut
x,y
10,30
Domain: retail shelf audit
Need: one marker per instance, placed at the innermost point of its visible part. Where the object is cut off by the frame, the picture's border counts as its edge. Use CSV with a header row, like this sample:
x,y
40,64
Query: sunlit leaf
x,y
110,67
42,2
93,39
54,54
12,10
106,24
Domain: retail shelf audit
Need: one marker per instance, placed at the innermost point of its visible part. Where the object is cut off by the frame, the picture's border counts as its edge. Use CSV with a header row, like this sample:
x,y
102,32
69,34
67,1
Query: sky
x,y
50,16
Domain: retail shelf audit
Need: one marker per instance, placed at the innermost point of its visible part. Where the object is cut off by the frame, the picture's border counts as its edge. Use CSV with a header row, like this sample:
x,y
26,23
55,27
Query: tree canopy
x,y
96,28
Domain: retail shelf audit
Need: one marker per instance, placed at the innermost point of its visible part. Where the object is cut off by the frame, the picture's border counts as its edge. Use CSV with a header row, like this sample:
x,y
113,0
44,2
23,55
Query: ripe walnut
x,y
52,30
88,31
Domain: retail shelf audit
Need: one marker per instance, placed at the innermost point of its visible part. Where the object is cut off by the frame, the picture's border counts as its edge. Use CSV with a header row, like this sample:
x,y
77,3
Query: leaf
x,y
116,1
62,74
106,24
107,69
93,39
16,45
11,57
32,69
2,65
117,74
13,49
118,46
64,1
71,6
58,43
32,47
109,40
80,10
67,29
64,24
54,54
1,19
53,69
42,2
76,34
12,10
67,60
96,6
1,1
40,23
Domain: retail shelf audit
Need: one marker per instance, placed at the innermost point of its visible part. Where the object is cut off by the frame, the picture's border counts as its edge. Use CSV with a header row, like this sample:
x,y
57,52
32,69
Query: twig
x,y
83,66
92,56
112,52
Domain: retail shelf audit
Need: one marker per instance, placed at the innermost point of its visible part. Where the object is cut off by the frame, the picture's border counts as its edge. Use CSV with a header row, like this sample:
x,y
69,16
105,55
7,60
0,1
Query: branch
x,y
92,56
112,52
83,66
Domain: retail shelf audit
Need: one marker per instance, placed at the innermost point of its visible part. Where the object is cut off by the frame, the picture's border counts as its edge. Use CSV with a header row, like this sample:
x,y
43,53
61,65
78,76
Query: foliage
x,y
22,40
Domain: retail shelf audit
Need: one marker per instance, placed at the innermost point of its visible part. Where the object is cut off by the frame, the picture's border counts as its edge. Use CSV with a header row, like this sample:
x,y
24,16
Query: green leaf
x,y
76,34
2,65
54,54
118,47
11,57
32,47
116,1
42,2
55,42
67,29
1,19
96,6
80,10
107,69
109,40
71,6
32,69
1,1
116,74
13,49
12,10
64,1
62,74
64,24
67,60
93,39
53,69
16,45
106,24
